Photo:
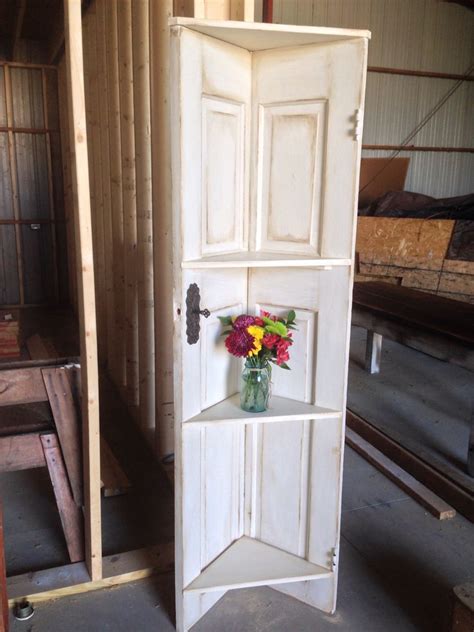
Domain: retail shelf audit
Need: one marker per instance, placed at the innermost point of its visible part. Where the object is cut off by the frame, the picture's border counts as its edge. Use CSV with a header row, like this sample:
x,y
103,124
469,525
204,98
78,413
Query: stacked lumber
x,y
9,336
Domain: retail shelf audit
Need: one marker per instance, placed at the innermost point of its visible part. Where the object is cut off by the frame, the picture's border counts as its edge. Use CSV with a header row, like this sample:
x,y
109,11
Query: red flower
x,y
270,340
282,351
239,342
258,321
243,321
267,315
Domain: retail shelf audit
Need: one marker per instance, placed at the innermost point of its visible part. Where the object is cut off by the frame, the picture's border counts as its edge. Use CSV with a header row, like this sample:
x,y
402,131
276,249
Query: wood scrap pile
x,y
9,336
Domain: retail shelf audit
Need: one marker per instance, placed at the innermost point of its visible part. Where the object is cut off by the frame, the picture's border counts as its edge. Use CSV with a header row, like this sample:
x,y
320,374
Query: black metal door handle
x,y
193,313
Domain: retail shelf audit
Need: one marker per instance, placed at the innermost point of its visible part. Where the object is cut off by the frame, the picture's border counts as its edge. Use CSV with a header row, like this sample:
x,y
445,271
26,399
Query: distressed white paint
x,y
258,496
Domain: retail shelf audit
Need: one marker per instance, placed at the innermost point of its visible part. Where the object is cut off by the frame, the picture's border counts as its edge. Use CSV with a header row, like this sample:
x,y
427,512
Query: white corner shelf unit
x,y
266,142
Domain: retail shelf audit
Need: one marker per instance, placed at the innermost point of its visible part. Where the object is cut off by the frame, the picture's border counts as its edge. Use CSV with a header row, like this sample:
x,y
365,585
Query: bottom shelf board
x,y
249,562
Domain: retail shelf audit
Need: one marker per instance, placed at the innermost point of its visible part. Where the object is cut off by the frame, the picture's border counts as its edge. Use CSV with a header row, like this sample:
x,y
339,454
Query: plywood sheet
x,y
404,242
3,109
379,175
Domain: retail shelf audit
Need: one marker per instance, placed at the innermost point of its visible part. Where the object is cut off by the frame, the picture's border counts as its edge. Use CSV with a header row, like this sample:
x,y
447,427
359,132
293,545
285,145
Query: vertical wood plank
x,y
162,216
115,144
67,189
49,166
92,104
124,20
146,338
103,121
85,267
3,580
69,512
14,180
61,385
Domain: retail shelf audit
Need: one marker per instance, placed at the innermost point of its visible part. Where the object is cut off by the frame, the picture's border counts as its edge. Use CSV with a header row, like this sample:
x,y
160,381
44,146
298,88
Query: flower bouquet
x,y
262,340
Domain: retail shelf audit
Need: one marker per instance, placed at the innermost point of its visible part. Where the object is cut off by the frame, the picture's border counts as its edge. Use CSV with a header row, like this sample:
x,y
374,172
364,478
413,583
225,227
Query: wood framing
x,y
160,12
117,365
124,23
142,126
74,579
86,286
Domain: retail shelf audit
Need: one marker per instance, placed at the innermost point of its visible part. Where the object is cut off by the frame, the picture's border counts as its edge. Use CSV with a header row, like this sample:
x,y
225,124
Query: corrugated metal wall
x,y
426,35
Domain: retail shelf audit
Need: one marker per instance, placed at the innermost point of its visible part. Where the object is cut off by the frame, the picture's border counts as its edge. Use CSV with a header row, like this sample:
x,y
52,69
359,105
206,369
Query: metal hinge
x,y
358,123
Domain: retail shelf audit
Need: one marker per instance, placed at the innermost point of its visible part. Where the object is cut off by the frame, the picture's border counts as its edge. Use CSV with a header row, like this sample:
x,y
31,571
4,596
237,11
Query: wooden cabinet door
x,y
264,167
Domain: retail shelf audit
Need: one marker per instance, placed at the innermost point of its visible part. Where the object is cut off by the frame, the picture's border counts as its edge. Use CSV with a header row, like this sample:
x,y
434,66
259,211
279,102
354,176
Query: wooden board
x,y
434,504
434,479
21,386
74,579
433,313
21,452
70,513
63,387
86,285
3,580
113,479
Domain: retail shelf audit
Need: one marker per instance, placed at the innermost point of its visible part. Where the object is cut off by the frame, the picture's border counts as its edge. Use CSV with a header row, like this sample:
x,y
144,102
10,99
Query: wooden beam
x,y
434,504
21,452
63,385
20,16
73,579
21,386
114,480
86,285
3,580
69,512
118,358
104,173
160,12
124,21
142,109
419,73
411,463
447,150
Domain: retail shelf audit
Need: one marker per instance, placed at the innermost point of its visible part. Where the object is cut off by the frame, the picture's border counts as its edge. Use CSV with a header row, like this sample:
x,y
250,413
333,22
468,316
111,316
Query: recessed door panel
x,y
291,150
223,175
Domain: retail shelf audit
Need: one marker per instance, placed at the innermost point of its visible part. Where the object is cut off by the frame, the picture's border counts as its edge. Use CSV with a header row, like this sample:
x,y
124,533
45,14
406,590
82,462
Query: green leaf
x,y
284,366
267,321
226,332
225,320
291,316
277,328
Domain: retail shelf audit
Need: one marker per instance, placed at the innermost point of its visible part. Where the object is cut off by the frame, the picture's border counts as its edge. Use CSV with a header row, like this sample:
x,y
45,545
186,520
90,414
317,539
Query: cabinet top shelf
x,y
264,260
259,36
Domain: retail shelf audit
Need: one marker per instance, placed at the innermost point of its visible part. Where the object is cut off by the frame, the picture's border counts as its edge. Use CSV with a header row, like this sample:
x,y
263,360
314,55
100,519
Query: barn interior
x,y
410,399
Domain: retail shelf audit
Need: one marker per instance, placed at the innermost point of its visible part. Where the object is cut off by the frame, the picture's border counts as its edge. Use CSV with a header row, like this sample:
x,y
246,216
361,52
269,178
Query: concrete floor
x,y
423,403
398,564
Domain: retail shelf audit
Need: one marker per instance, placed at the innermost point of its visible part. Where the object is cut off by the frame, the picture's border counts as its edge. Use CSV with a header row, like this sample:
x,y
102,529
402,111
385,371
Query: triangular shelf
x,y
249,562
281,409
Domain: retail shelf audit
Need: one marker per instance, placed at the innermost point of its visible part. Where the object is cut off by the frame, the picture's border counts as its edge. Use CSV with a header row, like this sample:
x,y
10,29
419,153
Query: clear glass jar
x,y
255,388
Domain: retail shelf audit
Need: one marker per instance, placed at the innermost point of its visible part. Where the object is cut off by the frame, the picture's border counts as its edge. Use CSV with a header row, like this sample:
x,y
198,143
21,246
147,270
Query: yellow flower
x,y
257,333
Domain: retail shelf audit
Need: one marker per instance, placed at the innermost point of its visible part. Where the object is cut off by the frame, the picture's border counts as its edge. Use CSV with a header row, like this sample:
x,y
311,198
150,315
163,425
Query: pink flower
x,y
239,342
